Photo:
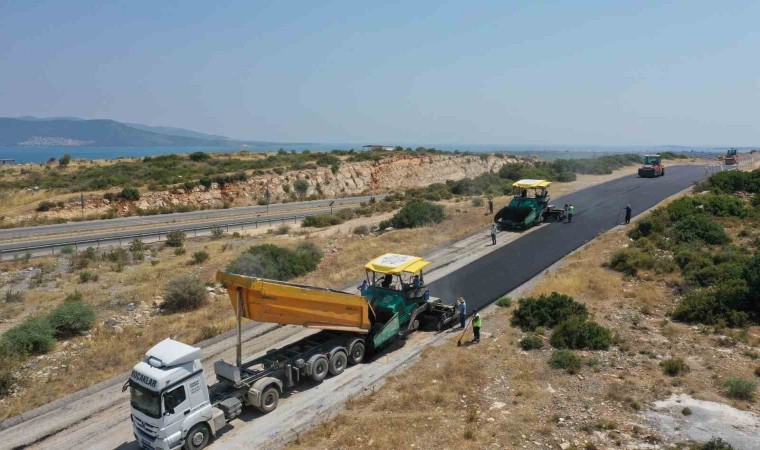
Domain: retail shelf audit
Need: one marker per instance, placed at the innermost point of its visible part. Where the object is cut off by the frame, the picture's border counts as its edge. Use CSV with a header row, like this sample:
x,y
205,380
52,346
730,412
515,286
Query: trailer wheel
x,y
338,362
356,352
197,438
269,399
319,368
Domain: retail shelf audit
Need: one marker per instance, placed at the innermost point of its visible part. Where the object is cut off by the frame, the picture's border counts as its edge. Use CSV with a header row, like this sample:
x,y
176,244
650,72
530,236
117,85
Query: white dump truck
x,y
172,404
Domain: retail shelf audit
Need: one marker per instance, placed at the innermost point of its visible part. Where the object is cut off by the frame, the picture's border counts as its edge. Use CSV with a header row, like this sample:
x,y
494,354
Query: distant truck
x,y
172,404
652,167
529,206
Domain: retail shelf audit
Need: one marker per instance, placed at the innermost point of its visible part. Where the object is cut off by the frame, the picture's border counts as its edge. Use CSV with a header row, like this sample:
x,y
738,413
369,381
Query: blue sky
x,y
414,72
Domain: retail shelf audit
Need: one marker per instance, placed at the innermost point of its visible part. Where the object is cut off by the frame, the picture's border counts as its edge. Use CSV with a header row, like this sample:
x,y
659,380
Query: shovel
x,y
459,342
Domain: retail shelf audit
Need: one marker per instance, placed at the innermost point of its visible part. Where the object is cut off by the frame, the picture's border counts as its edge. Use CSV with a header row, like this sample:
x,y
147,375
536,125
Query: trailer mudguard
x,y
253,396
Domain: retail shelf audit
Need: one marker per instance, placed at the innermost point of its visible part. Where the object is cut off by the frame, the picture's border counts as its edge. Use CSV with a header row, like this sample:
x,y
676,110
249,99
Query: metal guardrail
x,y
28,249
745,159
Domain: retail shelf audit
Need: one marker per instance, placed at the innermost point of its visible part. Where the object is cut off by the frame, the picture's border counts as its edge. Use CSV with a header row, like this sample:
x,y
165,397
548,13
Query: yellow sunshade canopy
x,y
394,263
531,184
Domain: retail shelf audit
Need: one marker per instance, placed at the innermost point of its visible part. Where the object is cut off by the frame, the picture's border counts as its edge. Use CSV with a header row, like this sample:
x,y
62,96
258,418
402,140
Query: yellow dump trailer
x,y
293,304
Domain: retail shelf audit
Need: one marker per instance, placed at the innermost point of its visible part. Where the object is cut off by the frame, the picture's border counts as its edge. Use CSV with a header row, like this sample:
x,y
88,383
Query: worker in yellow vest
x,y
477,322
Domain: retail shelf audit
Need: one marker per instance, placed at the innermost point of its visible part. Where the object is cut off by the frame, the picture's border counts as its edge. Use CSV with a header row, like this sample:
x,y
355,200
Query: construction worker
x,y
564,212
462,311
364,286
493,234
477,322
627,213
490,205
570,212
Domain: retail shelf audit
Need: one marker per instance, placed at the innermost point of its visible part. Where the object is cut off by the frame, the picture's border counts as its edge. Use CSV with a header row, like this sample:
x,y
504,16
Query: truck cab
x,y
170,398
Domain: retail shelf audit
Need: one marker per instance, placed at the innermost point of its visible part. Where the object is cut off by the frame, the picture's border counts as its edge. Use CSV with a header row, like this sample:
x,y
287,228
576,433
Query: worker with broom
x,y
462,311
477,322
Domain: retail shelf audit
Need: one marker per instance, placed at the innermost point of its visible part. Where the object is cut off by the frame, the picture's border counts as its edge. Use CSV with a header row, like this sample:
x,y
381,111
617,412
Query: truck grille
x,y
150,430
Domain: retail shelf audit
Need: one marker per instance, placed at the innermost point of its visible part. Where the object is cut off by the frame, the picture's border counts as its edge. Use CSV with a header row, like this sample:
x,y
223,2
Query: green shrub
x,y
136,245
417,214
716,443
740,389
734,181
277,263
7,378
199,156
632,259
85,276
200,257
180,251
699,228
546,311
72,318
567,360
477,202
531,342
175,238
67,250
217,233
322,220
184,293
301,186
711,305
45,206
674,367
34,336
129,193
577,333
504,301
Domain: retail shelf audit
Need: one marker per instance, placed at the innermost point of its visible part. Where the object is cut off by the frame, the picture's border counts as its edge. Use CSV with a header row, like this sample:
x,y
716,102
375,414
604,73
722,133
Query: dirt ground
x,y
494,395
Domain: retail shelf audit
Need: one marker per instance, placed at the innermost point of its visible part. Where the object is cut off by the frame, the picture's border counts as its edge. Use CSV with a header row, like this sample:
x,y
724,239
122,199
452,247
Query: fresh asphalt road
x,y
215,214
597,209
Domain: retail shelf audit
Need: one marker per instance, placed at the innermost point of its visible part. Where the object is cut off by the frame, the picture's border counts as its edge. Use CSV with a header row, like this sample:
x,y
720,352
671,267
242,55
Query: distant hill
x,y
72,131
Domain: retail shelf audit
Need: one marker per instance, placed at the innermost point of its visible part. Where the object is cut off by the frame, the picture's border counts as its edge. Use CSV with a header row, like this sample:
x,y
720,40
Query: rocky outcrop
x,y
393,173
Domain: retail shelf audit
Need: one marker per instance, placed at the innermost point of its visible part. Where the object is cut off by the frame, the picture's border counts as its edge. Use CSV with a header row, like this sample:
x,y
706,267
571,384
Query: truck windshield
x,y
145,400
651,160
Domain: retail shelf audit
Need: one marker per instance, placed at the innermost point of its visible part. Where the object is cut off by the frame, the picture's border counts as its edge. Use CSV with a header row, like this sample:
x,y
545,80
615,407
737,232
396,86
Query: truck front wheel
x,y
197,438
269,399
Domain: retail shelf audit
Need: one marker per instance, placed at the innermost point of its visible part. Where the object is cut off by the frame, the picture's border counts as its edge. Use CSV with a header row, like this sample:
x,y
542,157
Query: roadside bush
x,y
184,293
7,379
577,333
217,233
86,276
45,205
477,202
175,238
34,336
715,443
322,220
531,342
632,259
129,193
417,214
674,367
301,186
72,318
199,156
200,257
724,302
734,181
361,230
566,360
67,250
277,263
504,301
136,246
546,311
699,228
740,389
